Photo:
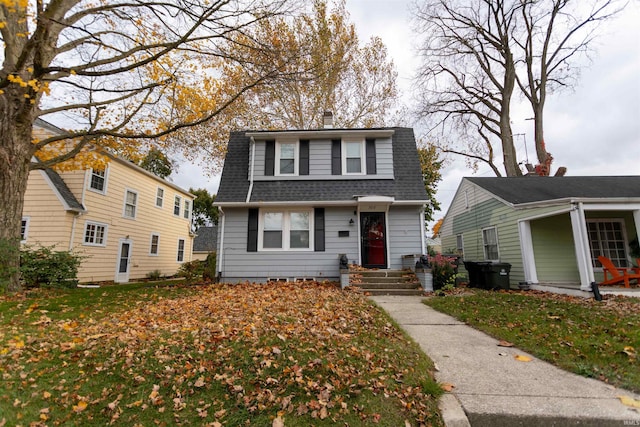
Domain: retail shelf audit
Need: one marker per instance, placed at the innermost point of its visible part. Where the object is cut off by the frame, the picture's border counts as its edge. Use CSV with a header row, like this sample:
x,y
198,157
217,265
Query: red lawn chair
x,y
618,274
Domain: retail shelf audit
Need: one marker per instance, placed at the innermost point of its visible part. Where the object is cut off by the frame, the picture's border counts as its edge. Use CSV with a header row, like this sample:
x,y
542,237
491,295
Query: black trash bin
x,y
477,274
496,275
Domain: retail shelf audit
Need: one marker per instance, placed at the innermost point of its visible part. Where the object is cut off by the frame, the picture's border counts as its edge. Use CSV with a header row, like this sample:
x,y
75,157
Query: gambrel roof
x,y
528,189
406,185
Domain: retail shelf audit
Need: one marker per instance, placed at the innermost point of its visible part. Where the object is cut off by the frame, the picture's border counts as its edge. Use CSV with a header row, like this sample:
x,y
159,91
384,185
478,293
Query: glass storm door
x,y
373,240
124,261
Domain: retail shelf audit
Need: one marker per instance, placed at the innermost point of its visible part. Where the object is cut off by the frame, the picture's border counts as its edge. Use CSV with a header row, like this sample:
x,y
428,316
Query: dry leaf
x,y
505,344
278,422
81,406
629,401
447,386
522,358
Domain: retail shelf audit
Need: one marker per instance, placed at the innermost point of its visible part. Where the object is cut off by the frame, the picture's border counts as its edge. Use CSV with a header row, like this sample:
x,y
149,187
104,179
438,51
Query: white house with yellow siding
x,y
124,220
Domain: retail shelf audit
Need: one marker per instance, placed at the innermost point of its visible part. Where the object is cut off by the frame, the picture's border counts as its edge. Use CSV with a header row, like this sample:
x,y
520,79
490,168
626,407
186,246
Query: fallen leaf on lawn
x,y
522,358
505,344
278,422
46,395
199,382
629,351
447,386
629,401
81,406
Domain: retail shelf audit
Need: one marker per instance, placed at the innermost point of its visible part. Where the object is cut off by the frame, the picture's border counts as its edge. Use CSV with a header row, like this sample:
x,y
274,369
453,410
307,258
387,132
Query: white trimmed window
x,y
287,158
159,197
154,246
180,256
95,234
98,180
187,209
24,229
176,205
353,159
607,237
130,204
490,244
286,230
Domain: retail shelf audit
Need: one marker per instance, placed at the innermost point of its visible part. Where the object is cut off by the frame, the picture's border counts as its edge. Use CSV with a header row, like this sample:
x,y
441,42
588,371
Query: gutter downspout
x,y
221,243
252,141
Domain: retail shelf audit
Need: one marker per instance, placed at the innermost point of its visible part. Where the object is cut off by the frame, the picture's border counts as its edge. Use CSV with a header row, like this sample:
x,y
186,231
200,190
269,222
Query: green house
x,y
550,229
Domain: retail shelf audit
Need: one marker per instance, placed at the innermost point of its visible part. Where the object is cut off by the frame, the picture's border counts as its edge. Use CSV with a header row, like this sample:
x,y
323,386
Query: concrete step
x,y
386,282
387,285
366,279
397,292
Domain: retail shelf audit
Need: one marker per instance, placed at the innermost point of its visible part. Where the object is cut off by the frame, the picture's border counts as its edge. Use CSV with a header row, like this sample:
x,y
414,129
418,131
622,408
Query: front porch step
x,y
386,282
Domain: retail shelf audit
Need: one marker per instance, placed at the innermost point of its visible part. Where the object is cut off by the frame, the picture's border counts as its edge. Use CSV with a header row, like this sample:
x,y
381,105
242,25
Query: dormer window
x,y
352,162
287,158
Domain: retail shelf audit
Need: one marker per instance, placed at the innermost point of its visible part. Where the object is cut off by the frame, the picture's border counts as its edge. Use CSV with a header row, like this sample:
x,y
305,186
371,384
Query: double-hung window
x,y
95,234
180,256
286,230
187,209
24,229
155,244
176,205
490,244
459,244
130,204
287,158
607,238
353,157
159,197
98,181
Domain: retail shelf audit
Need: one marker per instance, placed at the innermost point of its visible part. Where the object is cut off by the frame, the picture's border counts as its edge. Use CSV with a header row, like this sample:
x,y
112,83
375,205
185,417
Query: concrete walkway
x,y
492,388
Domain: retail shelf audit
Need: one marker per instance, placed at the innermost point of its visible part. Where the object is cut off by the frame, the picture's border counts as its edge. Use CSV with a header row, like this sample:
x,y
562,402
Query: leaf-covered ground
x,y
264,355
599,339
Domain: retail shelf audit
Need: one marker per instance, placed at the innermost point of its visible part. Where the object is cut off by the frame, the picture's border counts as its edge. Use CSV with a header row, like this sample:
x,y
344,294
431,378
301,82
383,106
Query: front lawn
x,y
289,354
591,338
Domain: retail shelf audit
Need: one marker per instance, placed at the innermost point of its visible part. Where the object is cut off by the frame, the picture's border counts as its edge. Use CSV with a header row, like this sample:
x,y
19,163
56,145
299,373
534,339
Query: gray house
x,y
292,201
550,229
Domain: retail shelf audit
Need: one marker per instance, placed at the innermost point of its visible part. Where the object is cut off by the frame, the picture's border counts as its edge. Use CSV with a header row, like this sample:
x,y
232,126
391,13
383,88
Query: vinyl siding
x,y
49,223
320,162
404,234
554,250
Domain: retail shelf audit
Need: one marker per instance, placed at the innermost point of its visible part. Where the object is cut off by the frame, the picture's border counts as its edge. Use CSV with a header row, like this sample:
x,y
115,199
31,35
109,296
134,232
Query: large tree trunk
x,y
506,134
16,150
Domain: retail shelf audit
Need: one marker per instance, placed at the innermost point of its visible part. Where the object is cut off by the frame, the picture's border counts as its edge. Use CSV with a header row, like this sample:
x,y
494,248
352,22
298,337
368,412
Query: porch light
x,y
351,222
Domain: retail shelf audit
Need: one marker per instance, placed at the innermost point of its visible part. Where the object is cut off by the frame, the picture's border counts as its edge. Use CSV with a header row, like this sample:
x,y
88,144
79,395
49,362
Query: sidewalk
x,y
491,389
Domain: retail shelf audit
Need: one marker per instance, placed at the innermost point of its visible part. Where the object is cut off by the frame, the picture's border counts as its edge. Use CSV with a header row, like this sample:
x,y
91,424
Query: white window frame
x,y
484,244
296,157
157,252
178,205
187,209
178,252
95,224
135,205
24,235
159,197
363,155
105,177
604,251
286,230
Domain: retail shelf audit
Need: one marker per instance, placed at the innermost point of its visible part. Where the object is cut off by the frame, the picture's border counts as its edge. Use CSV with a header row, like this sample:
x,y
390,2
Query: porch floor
x,y
574,289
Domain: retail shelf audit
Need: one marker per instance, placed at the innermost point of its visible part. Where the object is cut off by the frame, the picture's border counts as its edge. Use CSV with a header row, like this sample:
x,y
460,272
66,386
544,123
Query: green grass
x,y
591,338
149,354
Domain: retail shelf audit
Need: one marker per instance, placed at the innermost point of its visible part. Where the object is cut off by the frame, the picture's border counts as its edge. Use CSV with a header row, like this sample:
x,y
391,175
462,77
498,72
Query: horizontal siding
x,y
320,162
554,250
405,234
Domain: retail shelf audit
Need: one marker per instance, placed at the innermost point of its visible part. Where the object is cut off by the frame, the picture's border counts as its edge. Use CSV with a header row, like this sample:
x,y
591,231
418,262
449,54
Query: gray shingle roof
x,y
527,189
64,191
206,239
407,184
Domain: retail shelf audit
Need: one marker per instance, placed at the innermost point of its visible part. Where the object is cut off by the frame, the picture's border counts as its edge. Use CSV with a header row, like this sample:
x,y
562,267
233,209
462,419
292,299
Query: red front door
x,y
374,243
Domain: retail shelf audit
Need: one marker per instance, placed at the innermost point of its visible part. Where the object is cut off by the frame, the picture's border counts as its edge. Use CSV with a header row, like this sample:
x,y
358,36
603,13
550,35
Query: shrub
x,y
444,271
191,270
46,267
209,272
154,275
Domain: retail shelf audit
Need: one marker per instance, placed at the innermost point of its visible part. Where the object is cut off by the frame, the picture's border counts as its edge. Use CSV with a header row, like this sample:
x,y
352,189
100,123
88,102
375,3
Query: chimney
x,y
327,120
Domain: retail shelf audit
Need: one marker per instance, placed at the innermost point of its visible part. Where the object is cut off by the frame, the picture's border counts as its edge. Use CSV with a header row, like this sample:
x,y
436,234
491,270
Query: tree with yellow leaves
x,y
115,71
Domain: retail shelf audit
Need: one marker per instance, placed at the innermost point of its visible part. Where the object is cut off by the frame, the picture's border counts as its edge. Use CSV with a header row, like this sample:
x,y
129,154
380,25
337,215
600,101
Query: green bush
x,y
154,275
209,272
46,267
191,270
443,269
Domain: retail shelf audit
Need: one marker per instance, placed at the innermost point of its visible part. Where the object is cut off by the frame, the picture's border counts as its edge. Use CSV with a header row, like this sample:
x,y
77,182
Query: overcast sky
x,y
592,130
